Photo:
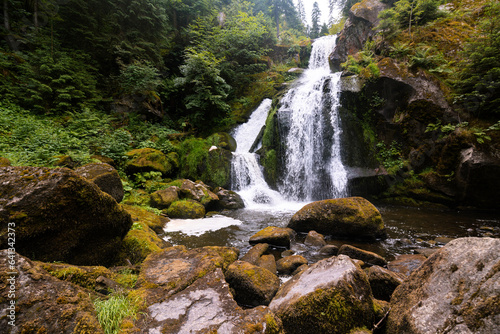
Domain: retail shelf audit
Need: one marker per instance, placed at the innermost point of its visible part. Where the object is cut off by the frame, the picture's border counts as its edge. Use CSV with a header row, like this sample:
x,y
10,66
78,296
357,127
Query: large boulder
x,y
150,160
165,273
228,200
60,216
162,199
206,306
457,290
188,209
352,217
331,296
252,285
42,303
200,192
105,177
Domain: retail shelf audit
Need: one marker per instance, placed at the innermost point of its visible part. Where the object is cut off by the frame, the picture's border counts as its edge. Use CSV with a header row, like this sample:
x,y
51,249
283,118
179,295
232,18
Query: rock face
x,y
207,306
363,17
352,217
331,296
105,177
252,285
478,179
44,304
60,216
460,283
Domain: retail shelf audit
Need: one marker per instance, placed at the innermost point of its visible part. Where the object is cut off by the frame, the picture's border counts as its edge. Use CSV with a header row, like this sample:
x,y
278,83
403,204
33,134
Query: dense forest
x,y
81,78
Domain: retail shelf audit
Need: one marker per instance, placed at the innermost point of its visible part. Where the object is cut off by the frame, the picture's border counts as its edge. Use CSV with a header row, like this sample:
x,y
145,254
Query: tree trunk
x,y
35,14
13,43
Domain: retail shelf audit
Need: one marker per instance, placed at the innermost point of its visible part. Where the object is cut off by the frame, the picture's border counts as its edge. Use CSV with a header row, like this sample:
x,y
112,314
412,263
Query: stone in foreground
x,y
352,217
274,236
332,296
457,290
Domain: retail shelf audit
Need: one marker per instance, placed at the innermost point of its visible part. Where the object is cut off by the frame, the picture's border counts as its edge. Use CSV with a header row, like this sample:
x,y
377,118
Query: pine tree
x,y
315,17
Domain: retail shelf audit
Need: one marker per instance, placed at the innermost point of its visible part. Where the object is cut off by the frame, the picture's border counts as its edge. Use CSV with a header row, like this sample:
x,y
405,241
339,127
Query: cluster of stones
x,y
62,216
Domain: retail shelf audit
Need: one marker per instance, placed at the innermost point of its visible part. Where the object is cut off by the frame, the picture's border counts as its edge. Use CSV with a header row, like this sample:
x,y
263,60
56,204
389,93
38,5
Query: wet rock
x,y
105,177
167,272
206,306
228,200
329,250
426,251
274,236
43,304
315,239
188,209
287,265
252,285
162,199
406,263
268,262
457,290
331,296
369,258
60,216
226,141
254,254
150,160
383,282
352,217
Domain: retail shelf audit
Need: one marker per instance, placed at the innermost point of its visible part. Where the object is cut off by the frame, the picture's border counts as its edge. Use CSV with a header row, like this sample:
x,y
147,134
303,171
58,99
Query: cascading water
x,y
309,120
246,173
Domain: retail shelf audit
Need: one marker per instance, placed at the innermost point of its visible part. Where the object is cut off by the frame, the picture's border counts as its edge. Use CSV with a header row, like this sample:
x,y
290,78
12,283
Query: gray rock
x,y
331,296
406,263
457,290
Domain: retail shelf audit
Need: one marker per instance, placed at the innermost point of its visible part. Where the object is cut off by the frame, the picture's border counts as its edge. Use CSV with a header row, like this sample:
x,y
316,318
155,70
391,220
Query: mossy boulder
x,y
252,285
60,216
187,209
274,236
206,306
148,159
226,141
162,199
315,239
352,217
43,303
331,296
4,162
199,192
456,290
152,220
253,255
83,276
165,273
139,242
105,177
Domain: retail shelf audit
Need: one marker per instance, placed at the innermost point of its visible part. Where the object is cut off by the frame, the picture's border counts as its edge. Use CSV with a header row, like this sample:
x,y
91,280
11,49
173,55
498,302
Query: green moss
x,y
186,209
138,244
82,276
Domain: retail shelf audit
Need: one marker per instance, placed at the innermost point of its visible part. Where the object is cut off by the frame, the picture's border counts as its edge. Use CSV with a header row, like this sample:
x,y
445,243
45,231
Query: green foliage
x,y
112,311
139,77
390,157
478,82
205,90
481,134
406,14
362,64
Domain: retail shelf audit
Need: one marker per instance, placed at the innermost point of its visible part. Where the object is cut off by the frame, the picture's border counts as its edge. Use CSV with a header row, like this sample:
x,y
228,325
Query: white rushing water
x,y
309,114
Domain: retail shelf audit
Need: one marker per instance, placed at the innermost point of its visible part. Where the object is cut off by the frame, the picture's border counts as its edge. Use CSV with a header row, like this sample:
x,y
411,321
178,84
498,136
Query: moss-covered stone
x,y
4,162
274,236
353,217
162,199
154,221
187,209
83,276
148,159
105,177
60,216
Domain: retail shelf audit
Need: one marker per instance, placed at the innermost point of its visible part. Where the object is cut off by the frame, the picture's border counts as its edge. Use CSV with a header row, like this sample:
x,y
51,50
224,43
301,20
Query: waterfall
x,y
309,120
246,174
310,127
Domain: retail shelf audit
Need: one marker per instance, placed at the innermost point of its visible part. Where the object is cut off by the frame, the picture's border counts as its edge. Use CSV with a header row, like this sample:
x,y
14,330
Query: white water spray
x,y
309,118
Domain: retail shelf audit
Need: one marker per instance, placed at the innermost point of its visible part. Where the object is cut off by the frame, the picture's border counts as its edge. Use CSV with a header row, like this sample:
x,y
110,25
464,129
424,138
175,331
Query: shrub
x,y
112,311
